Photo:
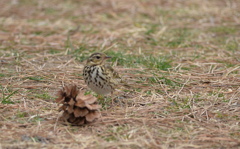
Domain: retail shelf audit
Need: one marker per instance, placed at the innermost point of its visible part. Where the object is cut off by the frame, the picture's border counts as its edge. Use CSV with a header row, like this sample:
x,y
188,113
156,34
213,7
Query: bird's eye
x,y
98,57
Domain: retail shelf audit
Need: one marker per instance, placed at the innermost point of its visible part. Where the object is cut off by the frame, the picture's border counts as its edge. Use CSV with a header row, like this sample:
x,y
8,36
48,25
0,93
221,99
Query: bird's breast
x,y
97,80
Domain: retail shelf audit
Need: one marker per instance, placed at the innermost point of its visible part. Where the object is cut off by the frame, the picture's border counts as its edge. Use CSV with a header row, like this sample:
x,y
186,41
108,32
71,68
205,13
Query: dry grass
x,y
181,57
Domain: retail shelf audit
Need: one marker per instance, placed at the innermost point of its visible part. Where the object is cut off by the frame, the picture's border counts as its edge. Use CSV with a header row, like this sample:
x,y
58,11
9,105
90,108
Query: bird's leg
x,y
104,101
100,97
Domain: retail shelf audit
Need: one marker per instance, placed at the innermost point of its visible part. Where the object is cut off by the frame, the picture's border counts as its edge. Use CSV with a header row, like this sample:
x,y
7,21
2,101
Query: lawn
x,y
181,59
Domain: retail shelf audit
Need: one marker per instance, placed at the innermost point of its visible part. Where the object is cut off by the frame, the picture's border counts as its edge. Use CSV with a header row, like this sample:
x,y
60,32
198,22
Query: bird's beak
x,y
107,57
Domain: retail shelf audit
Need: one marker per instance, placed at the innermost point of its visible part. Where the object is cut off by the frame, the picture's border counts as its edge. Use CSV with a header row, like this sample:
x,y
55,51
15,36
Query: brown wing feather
x,y
115,77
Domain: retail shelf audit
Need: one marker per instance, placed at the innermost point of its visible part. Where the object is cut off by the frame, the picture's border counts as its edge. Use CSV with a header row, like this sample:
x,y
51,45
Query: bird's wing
x,y
115,77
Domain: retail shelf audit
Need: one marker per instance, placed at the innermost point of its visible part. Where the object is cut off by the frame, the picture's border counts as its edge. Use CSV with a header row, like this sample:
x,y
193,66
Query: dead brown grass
x,y
194,104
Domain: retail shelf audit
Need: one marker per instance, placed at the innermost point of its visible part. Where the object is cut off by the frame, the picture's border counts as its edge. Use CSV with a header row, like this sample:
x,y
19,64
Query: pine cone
x,y
78,108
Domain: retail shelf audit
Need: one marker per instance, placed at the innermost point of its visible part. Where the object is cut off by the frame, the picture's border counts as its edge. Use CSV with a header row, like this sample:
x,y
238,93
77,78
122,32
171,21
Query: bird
x,y
100,77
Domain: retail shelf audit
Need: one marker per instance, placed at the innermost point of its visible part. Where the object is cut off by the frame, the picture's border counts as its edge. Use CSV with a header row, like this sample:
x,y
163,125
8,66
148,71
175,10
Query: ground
x,y
181,59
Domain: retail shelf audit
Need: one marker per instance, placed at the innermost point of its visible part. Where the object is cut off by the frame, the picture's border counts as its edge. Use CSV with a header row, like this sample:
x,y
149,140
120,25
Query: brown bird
x,y
99,77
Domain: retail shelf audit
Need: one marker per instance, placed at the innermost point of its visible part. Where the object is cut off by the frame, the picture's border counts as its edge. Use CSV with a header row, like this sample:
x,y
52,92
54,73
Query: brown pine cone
x,y
78,108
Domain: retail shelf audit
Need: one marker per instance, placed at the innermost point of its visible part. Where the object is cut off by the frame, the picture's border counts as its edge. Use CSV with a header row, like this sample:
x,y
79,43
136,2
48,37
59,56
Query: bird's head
x,y
97,59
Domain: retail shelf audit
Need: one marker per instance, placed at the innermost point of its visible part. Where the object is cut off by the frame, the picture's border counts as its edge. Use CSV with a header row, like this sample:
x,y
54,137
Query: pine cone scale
x,y
79,109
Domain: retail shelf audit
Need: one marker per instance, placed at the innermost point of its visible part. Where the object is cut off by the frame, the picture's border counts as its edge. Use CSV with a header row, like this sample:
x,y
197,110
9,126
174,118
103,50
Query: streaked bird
x,y
99,77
